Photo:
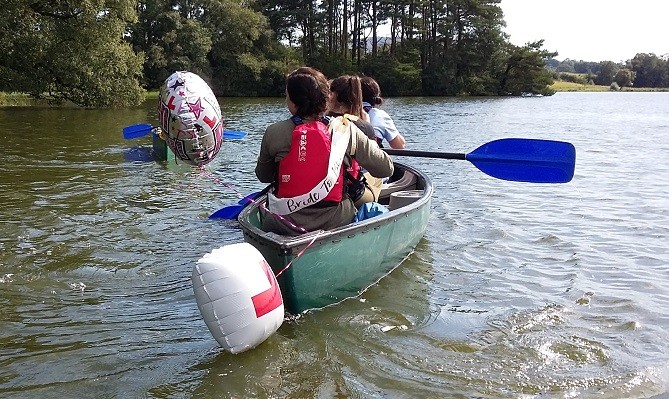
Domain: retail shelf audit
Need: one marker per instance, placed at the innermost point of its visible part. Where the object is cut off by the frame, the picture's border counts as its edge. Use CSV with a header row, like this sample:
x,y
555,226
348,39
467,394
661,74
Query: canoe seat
x,y
406,182
399,199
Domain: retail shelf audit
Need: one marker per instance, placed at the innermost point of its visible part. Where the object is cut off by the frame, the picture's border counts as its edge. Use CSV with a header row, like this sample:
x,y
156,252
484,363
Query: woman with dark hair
x,y
304,157
384,126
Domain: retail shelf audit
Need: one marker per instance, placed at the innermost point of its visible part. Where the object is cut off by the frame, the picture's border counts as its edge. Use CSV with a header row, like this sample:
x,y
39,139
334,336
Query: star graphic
x,y
178,82
196,107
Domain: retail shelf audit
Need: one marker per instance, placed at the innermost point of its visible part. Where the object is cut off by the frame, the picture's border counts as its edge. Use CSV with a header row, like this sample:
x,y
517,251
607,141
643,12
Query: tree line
x,y
101,53
642,71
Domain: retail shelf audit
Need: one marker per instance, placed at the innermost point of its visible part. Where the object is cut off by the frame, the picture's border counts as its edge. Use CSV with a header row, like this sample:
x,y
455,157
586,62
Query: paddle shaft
x,y
425,154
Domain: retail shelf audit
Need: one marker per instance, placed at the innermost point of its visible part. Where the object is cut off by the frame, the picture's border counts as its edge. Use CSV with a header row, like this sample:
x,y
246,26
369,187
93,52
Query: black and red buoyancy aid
x,y
306,163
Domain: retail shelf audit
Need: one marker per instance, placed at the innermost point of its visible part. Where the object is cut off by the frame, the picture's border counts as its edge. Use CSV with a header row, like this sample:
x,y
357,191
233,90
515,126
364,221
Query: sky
x,y
590,30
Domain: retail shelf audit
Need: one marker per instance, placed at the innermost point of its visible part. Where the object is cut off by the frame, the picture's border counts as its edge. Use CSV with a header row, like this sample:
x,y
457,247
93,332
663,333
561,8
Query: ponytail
x,y
348,89
371,92
356,96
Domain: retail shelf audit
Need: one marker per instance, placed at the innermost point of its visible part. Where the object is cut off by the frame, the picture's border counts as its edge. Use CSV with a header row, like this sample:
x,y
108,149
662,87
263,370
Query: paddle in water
x,y
142,129
523,160
231,212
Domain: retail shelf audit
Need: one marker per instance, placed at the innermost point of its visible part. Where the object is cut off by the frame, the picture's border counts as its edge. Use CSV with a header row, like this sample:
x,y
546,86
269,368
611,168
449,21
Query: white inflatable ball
x,y
238,296
190,118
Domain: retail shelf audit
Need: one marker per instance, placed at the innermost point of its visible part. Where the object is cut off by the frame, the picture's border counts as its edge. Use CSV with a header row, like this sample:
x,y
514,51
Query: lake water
x,y
517,290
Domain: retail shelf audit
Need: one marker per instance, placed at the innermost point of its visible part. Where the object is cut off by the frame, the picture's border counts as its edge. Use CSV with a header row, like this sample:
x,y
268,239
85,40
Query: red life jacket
x,y
306,163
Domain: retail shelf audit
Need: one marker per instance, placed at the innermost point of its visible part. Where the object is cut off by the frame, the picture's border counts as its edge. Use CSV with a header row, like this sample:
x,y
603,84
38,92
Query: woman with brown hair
x,y
346,98
346,102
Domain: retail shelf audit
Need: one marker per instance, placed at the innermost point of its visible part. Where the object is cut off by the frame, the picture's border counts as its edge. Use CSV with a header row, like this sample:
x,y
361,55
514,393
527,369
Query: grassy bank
x,y
22,99
18,100
561,85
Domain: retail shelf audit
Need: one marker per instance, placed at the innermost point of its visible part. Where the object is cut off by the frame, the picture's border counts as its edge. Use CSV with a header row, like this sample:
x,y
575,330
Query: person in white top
x,y
384,126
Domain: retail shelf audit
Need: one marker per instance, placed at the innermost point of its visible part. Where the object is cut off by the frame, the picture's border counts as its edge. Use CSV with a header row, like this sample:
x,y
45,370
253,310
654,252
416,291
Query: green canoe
x,y
161,151
330,266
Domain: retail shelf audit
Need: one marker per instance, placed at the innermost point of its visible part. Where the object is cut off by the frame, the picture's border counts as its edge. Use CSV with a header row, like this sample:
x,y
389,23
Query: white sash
x,y
340,131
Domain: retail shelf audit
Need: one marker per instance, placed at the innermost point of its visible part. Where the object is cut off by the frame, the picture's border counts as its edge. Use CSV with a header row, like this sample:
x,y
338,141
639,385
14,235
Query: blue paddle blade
x,y
526,160
249,198
136,131
232,211
229,212
143,154
233,134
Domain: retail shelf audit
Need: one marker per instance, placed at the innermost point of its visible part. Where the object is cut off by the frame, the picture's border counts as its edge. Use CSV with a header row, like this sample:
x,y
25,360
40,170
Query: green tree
x,y
650,70
245,58
169,40
452,47
624,77
395,78
607,73
464,53
283,17
70,51
524,71
566,66
226,42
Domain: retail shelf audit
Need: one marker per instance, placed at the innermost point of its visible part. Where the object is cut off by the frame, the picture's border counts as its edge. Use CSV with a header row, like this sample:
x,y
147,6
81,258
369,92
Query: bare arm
x,y
397,142
384,126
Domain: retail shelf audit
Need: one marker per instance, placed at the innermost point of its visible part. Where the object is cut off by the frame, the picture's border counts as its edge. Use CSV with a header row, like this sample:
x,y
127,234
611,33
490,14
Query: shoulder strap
x,y
297,120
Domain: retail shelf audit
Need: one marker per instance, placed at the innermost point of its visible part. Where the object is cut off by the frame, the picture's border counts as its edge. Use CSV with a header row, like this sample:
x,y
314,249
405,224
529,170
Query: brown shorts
x,y
371,192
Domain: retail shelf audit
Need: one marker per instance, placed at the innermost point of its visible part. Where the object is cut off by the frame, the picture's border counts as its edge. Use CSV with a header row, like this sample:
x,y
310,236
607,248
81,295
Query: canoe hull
x,y
161,151
329,267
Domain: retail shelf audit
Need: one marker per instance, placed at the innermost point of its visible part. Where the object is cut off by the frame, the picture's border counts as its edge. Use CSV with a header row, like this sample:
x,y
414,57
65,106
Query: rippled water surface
x,y
517,290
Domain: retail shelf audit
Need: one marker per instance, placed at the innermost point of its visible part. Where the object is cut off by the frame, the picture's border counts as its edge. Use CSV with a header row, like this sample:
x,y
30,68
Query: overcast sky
x,y
590,30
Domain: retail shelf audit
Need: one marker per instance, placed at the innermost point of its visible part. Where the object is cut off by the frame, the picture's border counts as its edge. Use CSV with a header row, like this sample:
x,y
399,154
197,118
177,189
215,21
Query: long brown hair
x,y
308,89
349,92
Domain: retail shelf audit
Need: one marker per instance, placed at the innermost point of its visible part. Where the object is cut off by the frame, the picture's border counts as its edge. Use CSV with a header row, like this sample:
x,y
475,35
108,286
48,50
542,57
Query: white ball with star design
x,y
190,118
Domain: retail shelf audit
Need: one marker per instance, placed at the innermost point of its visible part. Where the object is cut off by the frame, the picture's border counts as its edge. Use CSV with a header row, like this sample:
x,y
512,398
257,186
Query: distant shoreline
x,y
24,100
